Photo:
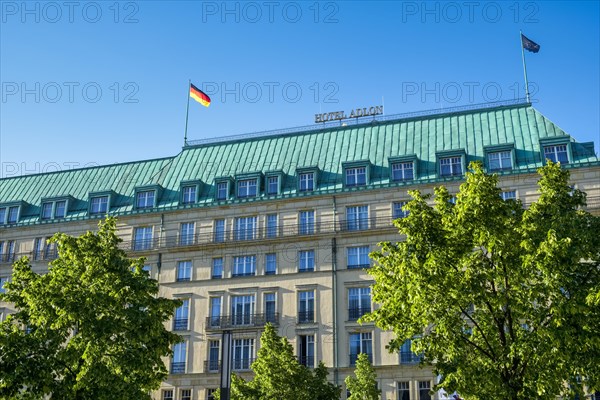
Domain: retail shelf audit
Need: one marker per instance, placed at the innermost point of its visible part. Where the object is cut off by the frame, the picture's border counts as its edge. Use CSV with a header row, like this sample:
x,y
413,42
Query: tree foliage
x,y
91,328
498,298
363,386
279,376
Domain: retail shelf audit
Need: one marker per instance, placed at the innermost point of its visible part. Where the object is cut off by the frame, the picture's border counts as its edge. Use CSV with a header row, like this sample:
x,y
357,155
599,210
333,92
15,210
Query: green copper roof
x,y
470,132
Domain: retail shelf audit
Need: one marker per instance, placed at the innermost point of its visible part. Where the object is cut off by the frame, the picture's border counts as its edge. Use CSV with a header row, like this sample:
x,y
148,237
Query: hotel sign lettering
x,y
355,113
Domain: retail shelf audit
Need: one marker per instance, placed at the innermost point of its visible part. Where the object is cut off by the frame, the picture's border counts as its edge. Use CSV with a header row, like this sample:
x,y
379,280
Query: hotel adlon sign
x,y
354,113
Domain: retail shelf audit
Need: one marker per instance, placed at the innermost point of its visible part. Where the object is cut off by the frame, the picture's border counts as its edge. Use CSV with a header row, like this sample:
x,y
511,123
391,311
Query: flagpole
x,y
187,111
524,67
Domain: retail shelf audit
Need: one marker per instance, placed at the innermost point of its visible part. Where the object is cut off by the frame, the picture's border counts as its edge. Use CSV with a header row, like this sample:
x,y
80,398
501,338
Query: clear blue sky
x,y
271,65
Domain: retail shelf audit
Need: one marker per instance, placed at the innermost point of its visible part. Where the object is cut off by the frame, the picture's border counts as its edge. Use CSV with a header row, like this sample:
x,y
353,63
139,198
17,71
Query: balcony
x,y
178,368
144,244
408,357
356,313
307,361
241,364
354,357
212,366
241,321
306,317
180,324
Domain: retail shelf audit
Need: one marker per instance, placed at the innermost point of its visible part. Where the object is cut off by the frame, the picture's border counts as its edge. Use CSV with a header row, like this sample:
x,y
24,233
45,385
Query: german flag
x,y
199,95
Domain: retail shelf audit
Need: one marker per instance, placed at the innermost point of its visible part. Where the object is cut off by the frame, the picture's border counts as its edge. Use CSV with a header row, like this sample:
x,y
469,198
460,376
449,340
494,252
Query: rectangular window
x,y
242,310
358,257
407,356
222,190
13,215
167,394
182,313
273,185
397,211
210,394
214,347
38,248
243,349
424,389
219,230
245,228
46,211
359,302
501,160
508,195
179,358
450,166
357,218
188,195
142,238
306,350
186,233
272,225
215,311
145,199
402,172
185,394
217,268
306,222
356,176
247,188
244,266
3,280
307,182
306,260
556,153
360,343
50,252
7,251
270,308
184,271
403,391
60,209
99,205
2,215
270,264
306,307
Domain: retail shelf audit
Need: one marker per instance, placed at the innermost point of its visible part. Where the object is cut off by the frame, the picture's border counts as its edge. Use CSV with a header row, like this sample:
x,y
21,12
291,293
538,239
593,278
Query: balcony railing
x,y
178,368
306,317
356,313
307,361
354,357
241,364
408,357
241,321
212,366
180,324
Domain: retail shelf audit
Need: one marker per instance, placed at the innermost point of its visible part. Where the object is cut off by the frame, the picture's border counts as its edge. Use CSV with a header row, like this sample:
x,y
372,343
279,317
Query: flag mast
x,y
187,111
524,66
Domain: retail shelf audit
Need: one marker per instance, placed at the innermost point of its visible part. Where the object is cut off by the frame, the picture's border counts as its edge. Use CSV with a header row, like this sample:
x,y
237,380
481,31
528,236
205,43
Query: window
x,y
167,394
60,209
7,251
38,248
186,233
2,215
145,199
270,308
306,260
184,271
222,190
215,311
508,195
242,310
244,266
450,166
397,211
356,176
245,228
270,264
407,356
306,350
142,238
360,343
210,394
273,185
424,389
357,218
403,391
247,188
306,222
50,251
272,225
3,280
46,210
242,354
99,205
500,160
181,316
179,358
188,194
217,268
306,307
185,394
307,182
557,153
214,347
402,171
219,230
13,215
358,257
359,302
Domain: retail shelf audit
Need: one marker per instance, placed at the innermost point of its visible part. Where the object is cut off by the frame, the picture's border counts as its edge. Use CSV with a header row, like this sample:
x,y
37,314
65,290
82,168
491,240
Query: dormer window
x,y
222,190
9,214
99,205
451,166
55,208
247,188
403,171
188,194
145,199
356,176
60,209
306,182
47,210
557,153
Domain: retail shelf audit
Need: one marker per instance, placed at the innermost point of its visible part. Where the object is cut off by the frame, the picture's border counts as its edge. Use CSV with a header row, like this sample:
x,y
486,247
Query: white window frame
x,y
246,228
363,339
272,180
143,238
306,222
187,232
397,211
271,261
179,357
247,188
354,175
500,160
306,306
182,314
454,163
508,195
145,199
47,210
246,349
306,182
217,264
219,230
402,169
362,254
306,260
56,209
553,151
356,301
184,271
98,205
244,266
272,222
357,217
222,190
189,194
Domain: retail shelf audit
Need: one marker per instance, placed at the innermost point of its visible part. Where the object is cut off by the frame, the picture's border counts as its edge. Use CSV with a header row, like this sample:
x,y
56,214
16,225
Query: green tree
x,y
363,386
91,328
279,376
494,295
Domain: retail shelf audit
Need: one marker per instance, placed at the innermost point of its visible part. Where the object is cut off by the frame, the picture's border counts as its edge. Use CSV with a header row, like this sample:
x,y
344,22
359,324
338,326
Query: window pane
x,y
402,171
60,209
273,185
247,188
184,270
219,230
2,215
189,194
272,225
244,266
46,211
306,260
145,199
222,190
307,182
217,268
99,205
306,221
270,264
186,233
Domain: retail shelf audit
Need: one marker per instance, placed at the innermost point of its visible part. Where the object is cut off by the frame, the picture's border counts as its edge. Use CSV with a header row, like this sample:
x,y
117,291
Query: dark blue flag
x,y
529,44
